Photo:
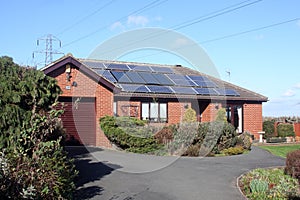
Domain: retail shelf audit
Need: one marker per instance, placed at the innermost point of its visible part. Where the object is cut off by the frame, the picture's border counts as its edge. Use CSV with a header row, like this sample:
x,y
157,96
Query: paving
x,y
113,175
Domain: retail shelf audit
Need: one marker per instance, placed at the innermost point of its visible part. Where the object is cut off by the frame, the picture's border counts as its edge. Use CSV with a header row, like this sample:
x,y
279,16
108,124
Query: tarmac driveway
x,y
112,175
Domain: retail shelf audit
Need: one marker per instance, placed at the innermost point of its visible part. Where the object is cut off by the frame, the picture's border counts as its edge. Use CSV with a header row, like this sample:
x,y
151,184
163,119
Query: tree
x,y
189,115
221,115
30,133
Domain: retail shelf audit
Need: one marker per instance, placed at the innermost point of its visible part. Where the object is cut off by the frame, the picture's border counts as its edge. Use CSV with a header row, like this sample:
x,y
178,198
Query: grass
x,y
281,150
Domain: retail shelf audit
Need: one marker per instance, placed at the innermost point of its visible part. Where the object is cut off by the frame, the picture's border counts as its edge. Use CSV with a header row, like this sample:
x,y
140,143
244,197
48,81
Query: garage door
x,y
79,120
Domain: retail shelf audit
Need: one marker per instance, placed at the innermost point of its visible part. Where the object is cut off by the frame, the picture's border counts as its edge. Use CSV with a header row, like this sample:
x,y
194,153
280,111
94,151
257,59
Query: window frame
x,y
159,118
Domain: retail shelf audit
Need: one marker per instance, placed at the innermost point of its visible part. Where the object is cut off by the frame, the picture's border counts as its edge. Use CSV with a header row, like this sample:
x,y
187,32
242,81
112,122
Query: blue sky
x,y
266,61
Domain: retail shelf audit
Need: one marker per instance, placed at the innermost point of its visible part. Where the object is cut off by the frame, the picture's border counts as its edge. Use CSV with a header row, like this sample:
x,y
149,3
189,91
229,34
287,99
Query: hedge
x,y
285,130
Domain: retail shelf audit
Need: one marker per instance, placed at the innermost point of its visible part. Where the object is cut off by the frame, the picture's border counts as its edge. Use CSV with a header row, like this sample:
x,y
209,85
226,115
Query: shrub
x,y
165,135
189,115
268,128
184,136
192,151
285,130
244,140
269,184
34,164
233,151
221,115
215,137
292,167
124,140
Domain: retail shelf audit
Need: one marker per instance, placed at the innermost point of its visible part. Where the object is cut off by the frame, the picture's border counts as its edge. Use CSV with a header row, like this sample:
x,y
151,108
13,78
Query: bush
x,y
244,140
221,115
33,163
285,130
292,167
189,115
233,151
269,184
165,135
184,136
130,142
215,137
268,128
192,151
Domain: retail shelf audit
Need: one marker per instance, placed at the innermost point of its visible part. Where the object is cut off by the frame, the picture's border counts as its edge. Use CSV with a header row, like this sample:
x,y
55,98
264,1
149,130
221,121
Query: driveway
x,y
112,175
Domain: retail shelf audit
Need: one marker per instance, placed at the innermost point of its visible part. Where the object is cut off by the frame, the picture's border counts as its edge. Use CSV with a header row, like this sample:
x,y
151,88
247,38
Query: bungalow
x,y
92,89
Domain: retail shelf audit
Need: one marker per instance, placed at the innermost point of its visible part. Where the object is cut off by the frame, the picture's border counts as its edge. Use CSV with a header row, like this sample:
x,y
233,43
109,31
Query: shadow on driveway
x,y
90,170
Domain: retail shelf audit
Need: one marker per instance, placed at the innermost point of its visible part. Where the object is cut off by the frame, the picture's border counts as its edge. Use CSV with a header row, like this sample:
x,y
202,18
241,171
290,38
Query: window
x,y
154,112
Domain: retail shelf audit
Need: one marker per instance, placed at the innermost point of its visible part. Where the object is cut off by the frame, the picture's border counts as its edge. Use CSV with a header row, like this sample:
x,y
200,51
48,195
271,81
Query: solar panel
x,y
206,91
114,66
134,88
135,77
202,81
140,68
162,79
121,77
162,69
94,65
183,90
181,80
208,84
159,89
148,78
227,92
106,74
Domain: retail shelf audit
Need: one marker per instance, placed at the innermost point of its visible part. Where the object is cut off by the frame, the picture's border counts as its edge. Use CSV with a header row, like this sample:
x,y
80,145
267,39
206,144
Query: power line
x,y
85,18
228,36
211,15
144,8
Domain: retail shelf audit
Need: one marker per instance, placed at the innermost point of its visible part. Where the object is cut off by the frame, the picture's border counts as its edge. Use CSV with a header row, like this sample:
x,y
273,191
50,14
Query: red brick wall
x,y
176,111
297,129
253,118
210,112
86,87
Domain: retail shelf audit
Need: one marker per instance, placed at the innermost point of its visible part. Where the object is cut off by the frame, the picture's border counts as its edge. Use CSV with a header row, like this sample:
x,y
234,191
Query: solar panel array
x,y
134,78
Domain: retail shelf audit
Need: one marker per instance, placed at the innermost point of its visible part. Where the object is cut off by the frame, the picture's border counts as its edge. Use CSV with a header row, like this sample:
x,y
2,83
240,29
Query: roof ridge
x,y
127,62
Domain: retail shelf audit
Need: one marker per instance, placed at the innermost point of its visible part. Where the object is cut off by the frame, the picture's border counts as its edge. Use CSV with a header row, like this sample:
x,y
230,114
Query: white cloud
x,y
289,93
137,20
117,25
297,86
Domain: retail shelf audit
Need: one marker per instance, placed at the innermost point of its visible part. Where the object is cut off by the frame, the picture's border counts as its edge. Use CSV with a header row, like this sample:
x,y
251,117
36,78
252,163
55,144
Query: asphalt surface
x,y
113,175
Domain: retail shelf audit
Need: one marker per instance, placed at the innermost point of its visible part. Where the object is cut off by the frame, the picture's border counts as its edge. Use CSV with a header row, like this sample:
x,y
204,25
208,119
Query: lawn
x,y
281,150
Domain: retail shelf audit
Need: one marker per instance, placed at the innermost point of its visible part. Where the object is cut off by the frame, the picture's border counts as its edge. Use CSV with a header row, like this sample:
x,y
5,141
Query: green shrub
x,y
276,140
34,164
184,136
189,115
233,151
268,128
192,150
269,184
137,143
285,130
215,137
221,115
244,140
292,166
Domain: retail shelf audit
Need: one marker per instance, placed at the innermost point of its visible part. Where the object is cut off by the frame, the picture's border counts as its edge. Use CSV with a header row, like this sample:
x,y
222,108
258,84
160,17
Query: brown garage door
x,y
79,120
